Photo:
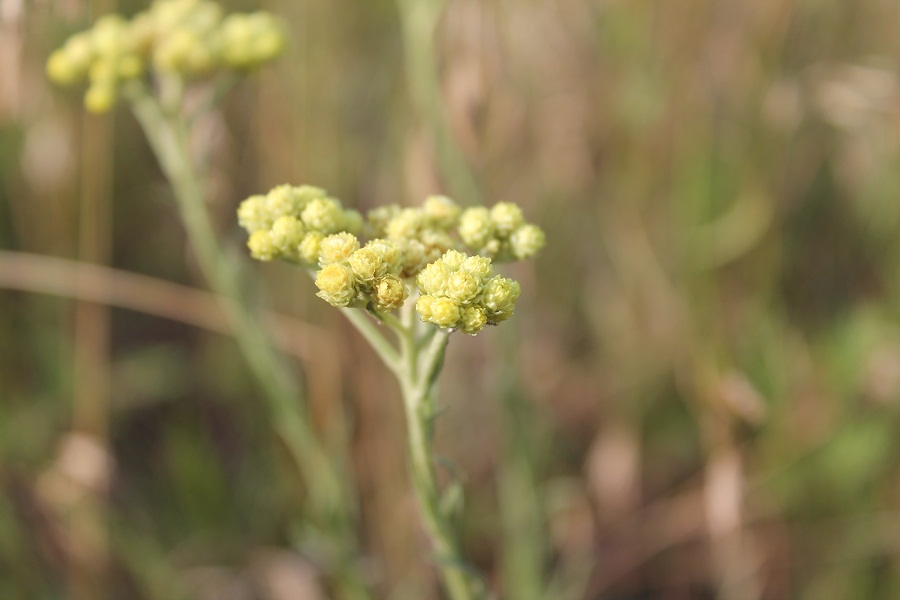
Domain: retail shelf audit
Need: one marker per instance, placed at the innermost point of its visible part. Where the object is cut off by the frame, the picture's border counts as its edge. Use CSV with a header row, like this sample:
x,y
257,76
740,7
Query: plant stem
x,y
416,368
331,506
418,388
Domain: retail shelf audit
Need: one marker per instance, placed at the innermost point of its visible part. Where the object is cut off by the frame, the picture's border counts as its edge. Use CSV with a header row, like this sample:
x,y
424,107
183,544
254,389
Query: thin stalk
x,y
330,504
416,368
370,332
417,384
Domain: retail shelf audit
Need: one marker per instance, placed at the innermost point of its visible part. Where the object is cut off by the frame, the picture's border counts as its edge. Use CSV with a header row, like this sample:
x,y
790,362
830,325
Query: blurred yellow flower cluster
x,y
183,38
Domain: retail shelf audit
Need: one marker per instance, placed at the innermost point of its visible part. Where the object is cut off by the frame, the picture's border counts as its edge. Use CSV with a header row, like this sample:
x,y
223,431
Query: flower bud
x,y
476,227
309,247
389,292
100,97
436,240
108,35
185,51
378,218
389,255
79,50
444,312
284,200
473,320
287,233
337,248
479,266
441,211
526,241
405,225
365,263
250,40
454,259
261,246
324,215
463,287
336,284
506,217
434,279
253,215
62,70
500,295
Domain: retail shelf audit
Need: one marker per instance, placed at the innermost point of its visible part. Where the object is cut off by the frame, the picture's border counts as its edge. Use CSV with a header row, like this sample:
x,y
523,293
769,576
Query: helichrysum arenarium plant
x,y
151,61
423,273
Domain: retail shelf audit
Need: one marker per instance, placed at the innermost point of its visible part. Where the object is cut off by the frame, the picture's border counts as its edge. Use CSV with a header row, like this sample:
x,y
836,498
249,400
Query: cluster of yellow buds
x,y
185,38
104,56
412,248
427,232
354,276
461,292
291,222
500,232
423,233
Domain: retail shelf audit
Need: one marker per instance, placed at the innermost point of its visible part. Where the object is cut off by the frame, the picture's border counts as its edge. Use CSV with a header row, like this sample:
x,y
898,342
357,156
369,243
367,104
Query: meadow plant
x,y
422,274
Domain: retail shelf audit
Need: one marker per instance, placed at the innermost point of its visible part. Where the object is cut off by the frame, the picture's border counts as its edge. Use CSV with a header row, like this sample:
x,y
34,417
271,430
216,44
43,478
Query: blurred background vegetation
x,y
699,396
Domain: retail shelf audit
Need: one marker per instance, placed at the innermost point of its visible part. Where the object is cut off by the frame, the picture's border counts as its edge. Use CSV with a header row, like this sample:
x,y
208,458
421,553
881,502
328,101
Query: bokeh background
x,y
699,396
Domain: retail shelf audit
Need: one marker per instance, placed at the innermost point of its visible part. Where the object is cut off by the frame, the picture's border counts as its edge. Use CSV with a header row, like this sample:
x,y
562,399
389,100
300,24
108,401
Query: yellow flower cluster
x,y
186,38
457,291
500,232
292,222
461,292
354,276
423,233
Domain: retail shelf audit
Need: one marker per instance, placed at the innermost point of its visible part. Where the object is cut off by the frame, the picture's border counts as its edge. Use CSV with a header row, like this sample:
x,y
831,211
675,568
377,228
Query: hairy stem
x,y
416,367
417,384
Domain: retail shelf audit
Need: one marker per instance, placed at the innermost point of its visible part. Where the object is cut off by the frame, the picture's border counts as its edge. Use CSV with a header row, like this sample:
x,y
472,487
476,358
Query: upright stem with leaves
x,y
416,362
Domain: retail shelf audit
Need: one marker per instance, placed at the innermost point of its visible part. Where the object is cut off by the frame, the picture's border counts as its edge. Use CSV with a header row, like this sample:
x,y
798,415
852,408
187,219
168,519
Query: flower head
x,y
461,292
526,241
500,233
389,293
456,290
337,285
299,220
337,248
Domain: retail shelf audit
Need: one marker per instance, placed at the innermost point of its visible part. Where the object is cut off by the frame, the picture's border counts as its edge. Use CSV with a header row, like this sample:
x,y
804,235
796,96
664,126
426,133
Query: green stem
x,y
330,503
369,330
416,368
459,579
